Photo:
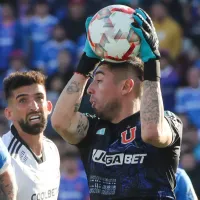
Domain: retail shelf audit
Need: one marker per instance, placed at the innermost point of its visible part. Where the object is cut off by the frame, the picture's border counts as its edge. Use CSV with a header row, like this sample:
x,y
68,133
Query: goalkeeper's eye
x,y
98,81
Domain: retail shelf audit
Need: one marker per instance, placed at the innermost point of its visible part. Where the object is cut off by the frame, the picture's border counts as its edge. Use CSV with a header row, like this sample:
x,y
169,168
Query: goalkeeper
x,y
131,147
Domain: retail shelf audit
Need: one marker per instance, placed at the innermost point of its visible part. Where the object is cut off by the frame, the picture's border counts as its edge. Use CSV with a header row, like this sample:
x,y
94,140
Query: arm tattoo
x,y
82,126
76,107
73,87
152,105
6,188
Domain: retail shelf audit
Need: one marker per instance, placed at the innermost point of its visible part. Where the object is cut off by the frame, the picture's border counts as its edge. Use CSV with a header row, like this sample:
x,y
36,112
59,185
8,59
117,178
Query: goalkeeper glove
x,y
89,59
144,28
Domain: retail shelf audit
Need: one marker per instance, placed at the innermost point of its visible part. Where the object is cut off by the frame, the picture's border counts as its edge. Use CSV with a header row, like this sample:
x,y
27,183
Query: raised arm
x,y
66,120
155,128
8,186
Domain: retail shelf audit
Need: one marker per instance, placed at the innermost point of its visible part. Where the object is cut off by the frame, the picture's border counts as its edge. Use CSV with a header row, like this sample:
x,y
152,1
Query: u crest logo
x,y
126,140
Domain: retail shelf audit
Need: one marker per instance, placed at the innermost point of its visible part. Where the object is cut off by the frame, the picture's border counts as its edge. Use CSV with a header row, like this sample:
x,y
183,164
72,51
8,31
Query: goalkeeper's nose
x,y
90,89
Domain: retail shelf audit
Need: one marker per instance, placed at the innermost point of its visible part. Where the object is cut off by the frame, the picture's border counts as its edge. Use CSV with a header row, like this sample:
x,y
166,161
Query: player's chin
x,y
101,114
97,111
37,129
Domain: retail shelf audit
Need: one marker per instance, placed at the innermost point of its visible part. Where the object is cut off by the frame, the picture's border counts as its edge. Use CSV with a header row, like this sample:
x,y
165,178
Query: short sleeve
x,y
175,125
90,133
4,157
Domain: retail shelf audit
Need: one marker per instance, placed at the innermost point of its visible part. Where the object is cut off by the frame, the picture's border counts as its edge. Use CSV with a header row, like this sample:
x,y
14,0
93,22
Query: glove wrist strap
x,y
152,70
86,65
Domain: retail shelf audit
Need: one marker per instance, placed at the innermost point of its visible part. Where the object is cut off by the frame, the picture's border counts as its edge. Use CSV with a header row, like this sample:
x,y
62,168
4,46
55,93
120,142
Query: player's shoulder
x,y
7,138
181,174
13,143
48,142
171,114
4,157
173,118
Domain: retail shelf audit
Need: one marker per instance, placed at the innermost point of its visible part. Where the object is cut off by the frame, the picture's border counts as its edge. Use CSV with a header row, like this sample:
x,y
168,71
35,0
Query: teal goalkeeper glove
x,y
144,28
87,49
89,59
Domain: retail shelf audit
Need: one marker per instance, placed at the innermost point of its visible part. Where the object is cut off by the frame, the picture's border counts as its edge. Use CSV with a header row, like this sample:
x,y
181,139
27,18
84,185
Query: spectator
x,y
9,35
25,13
187,98
39,31
194,28
169,81
80,45
51,50
168,30
75,18
22,7
55,86
172,7
73,185
17,62
192,168
65,68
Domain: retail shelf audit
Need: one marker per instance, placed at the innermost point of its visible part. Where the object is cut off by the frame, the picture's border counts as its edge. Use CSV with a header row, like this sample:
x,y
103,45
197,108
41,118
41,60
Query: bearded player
x,y
35,158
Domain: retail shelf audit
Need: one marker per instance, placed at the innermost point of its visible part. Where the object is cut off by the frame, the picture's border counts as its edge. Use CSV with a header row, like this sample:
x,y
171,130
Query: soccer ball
x,y
110,34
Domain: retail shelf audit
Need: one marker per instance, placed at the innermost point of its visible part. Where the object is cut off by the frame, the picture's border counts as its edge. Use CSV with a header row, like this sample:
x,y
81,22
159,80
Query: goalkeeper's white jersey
x,y
36,179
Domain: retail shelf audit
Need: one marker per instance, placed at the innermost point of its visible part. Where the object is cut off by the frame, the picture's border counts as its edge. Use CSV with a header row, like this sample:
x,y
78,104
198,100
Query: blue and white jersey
x,y
4,157
40,31
187,101
184,189
10,39
50,53
120,165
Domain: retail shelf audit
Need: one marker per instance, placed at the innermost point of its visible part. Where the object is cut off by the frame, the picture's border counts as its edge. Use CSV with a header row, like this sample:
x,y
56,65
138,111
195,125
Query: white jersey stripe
x,y
17,150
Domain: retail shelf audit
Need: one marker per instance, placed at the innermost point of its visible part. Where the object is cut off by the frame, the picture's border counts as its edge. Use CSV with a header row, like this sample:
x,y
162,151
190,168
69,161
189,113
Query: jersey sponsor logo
x,y
124,136
100,156
101,131
45,194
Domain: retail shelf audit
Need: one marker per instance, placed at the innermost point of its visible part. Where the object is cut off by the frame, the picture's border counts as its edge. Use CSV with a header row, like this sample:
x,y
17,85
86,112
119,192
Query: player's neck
x,y
128,109
34,142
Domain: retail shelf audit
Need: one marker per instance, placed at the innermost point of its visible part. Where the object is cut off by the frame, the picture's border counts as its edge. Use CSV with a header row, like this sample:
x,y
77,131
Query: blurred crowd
x,y
49,36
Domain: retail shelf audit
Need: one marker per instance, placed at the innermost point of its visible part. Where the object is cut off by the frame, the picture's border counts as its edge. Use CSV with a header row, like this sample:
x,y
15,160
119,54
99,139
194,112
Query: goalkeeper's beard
x,y
109,111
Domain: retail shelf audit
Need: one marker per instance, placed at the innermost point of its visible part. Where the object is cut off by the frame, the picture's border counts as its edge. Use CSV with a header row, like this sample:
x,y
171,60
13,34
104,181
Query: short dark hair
x,y
132,65
130,69
18,79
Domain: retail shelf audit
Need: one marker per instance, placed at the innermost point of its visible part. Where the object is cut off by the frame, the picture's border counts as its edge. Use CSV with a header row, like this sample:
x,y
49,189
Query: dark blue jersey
x,y
119,165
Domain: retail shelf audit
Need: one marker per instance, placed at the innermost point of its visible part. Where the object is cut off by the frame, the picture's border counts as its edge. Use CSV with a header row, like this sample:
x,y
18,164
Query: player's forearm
x,y
8,186
152,111
69,101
